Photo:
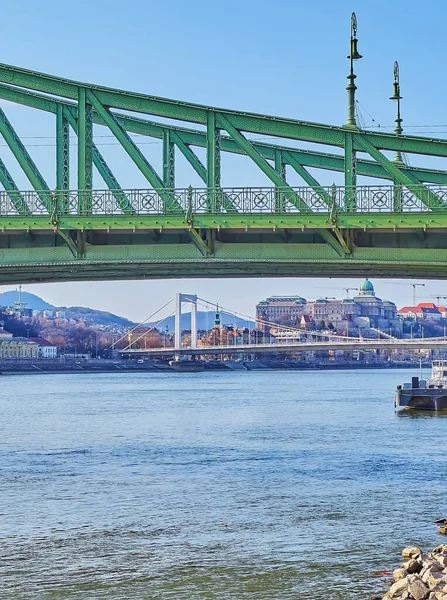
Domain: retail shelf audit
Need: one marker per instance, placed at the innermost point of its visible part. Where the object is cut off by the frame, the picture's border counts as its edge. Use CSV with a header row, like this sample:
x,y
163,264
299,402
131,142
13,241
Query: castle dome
x,y
367,288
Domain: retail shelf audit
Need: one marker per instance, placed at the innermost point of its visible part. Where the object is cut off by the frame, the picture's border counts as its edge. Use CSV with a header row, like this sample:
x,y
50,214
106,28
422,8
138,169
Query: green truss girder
x,y
62,150
425,195
190,137
102,166
133,151
96,100
198,167
307,177
25,161
14,193
409,221
275,177
168,160
195,113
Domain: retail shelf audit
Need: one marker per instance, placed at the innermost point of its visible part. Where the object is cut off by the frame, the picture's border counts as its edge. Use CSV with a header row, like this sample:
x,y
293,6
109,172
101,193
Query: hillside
x,y
31,300
95,317
89,315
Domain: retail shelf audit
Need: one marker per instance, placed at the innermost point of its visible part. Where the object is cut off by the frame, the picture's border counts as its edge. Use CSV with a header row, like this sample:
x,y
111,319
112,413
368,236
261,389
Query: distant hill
x,y
89,315
205,320
95,317
31,300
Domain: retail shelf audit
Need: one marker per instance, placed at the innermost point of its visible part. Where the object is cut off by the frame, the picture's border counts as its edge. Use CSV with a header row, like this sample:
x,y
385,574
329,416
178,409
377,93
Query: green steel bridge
x,y
392,224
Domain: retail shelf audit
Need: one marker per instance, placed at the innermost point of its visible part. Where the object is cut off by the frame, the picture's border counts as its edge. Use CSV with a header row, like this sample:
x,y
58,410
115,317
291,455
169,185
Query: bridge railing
x,y
246,200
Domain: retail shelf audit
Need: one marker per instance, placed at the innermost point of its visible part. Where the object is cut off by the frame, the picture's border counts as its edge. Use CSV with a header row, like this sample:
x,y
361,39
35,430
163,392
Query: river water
x,y
224,485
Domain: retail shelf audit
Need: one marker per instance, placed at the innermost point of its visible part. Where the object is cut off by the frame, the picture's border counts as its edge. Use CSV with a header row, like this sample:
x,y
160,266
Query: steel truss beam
x,y
102,99
191,137
274,176
198,166
195,113
10,186
25,161
102,166
133,151
425,195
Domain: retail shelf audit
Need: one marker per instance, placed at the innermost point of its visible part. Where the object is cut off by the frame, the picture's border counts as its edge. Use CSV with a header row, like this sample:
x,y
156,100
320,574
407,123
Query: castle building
x,y
364,310
281,308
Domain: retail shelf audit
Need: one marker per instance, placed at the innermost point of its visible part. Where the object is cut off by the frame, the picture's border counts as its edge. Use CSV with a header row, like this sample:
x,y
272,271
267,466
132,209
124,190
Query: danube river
x,y
227,485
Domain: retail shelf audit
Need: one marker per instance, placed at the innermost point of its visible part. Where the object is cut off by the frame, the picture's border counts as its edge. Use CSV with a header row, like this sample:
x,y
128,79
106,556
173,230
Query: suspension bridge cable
x,y
139,324
149,330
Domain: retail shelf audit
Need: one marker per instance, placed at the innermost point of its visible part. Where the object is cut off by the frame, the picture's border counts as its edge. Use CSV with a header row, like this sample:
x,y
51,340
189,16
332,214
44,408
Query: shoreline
x,y
55,367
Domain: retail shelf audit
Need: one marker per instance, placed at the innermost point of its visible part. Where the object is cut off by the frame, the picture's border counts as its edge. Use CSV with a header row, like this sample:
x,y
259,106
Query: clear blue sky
x,y
286,58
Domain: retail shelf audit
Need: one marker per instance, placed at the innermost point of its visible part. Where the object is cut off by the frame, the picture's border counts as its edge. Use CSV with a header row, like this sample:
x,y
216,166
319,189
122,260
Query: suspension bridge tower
x,y
181,299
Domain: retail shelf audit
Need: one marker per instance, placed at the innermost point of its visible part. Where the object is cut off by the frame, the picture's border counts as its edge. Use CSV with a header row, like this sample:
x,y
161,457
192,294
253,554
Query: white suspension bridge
x,y
286,339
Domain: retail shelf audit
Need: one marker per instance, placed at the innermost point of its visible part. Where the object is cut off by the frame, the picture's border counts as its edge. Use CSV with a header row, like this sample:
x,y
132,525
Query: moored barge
x,y
425,394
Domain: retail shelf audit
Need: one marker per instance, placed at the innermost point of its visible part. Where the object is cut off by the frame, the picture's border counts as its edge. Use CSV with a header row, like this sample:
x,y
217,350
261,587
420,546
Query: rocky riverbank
x,y
422,576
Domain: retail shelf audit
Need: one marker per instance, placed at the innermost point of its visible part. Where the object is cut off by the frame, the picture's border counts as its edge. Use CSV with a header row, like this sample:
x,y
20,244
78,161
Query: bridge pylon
x,y
181,299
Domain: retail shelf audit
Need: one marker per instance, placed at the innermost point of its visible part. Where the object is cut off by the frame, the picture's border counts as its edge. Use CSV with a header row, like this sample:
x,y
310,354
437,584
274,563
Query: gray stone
x,y
418,589
412,566
398,588
428,571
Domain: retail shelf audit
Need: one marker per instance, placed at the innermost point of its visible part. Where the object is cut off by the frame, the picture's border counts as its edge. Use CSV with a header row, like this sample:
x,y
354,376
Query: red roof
x,y
442,308
413,309
427,305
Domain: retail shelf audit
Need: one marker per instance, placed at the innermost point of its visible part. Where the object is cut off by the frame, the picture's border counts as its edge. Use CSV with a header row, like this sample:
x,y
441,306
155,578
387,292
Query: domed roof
x,y
367,286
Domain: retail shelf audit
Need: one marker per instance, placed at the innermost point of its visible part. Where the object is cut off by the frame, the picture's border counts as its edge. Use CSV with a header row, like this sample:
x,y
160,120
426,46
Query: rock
x,y
442,549
443,530
399,574
411,552
412,566
398,588
429,571
418,589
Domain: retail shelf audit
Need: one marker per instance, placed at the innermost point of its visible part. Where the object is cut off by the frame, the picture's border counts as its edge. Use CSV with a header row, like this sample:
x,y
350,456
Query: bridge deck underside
x,y
123,250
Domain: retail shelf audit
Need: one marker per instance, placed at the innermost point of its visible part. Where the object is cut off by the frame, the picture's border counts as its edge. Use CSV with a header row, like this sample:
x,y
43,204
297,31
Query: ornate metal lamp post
x,y
353,55
397,97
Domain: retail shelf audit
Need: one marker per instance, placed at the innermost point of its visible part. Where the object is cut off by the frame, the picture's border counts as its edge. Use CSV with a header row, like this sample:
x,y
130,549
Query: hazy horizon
x,y
145,297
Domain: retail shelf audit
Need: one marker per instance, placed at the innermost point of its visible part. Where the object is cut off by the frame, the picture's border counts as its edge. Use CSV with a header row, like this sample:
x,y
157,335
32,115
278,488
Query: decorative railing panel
x,y
254,200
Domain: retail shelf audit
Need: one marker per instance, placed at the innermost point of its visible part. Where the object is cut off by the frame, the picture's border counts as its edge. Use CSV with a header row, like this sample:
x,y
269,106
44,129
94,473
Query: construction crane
x,y
438,298
413,285
345,289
